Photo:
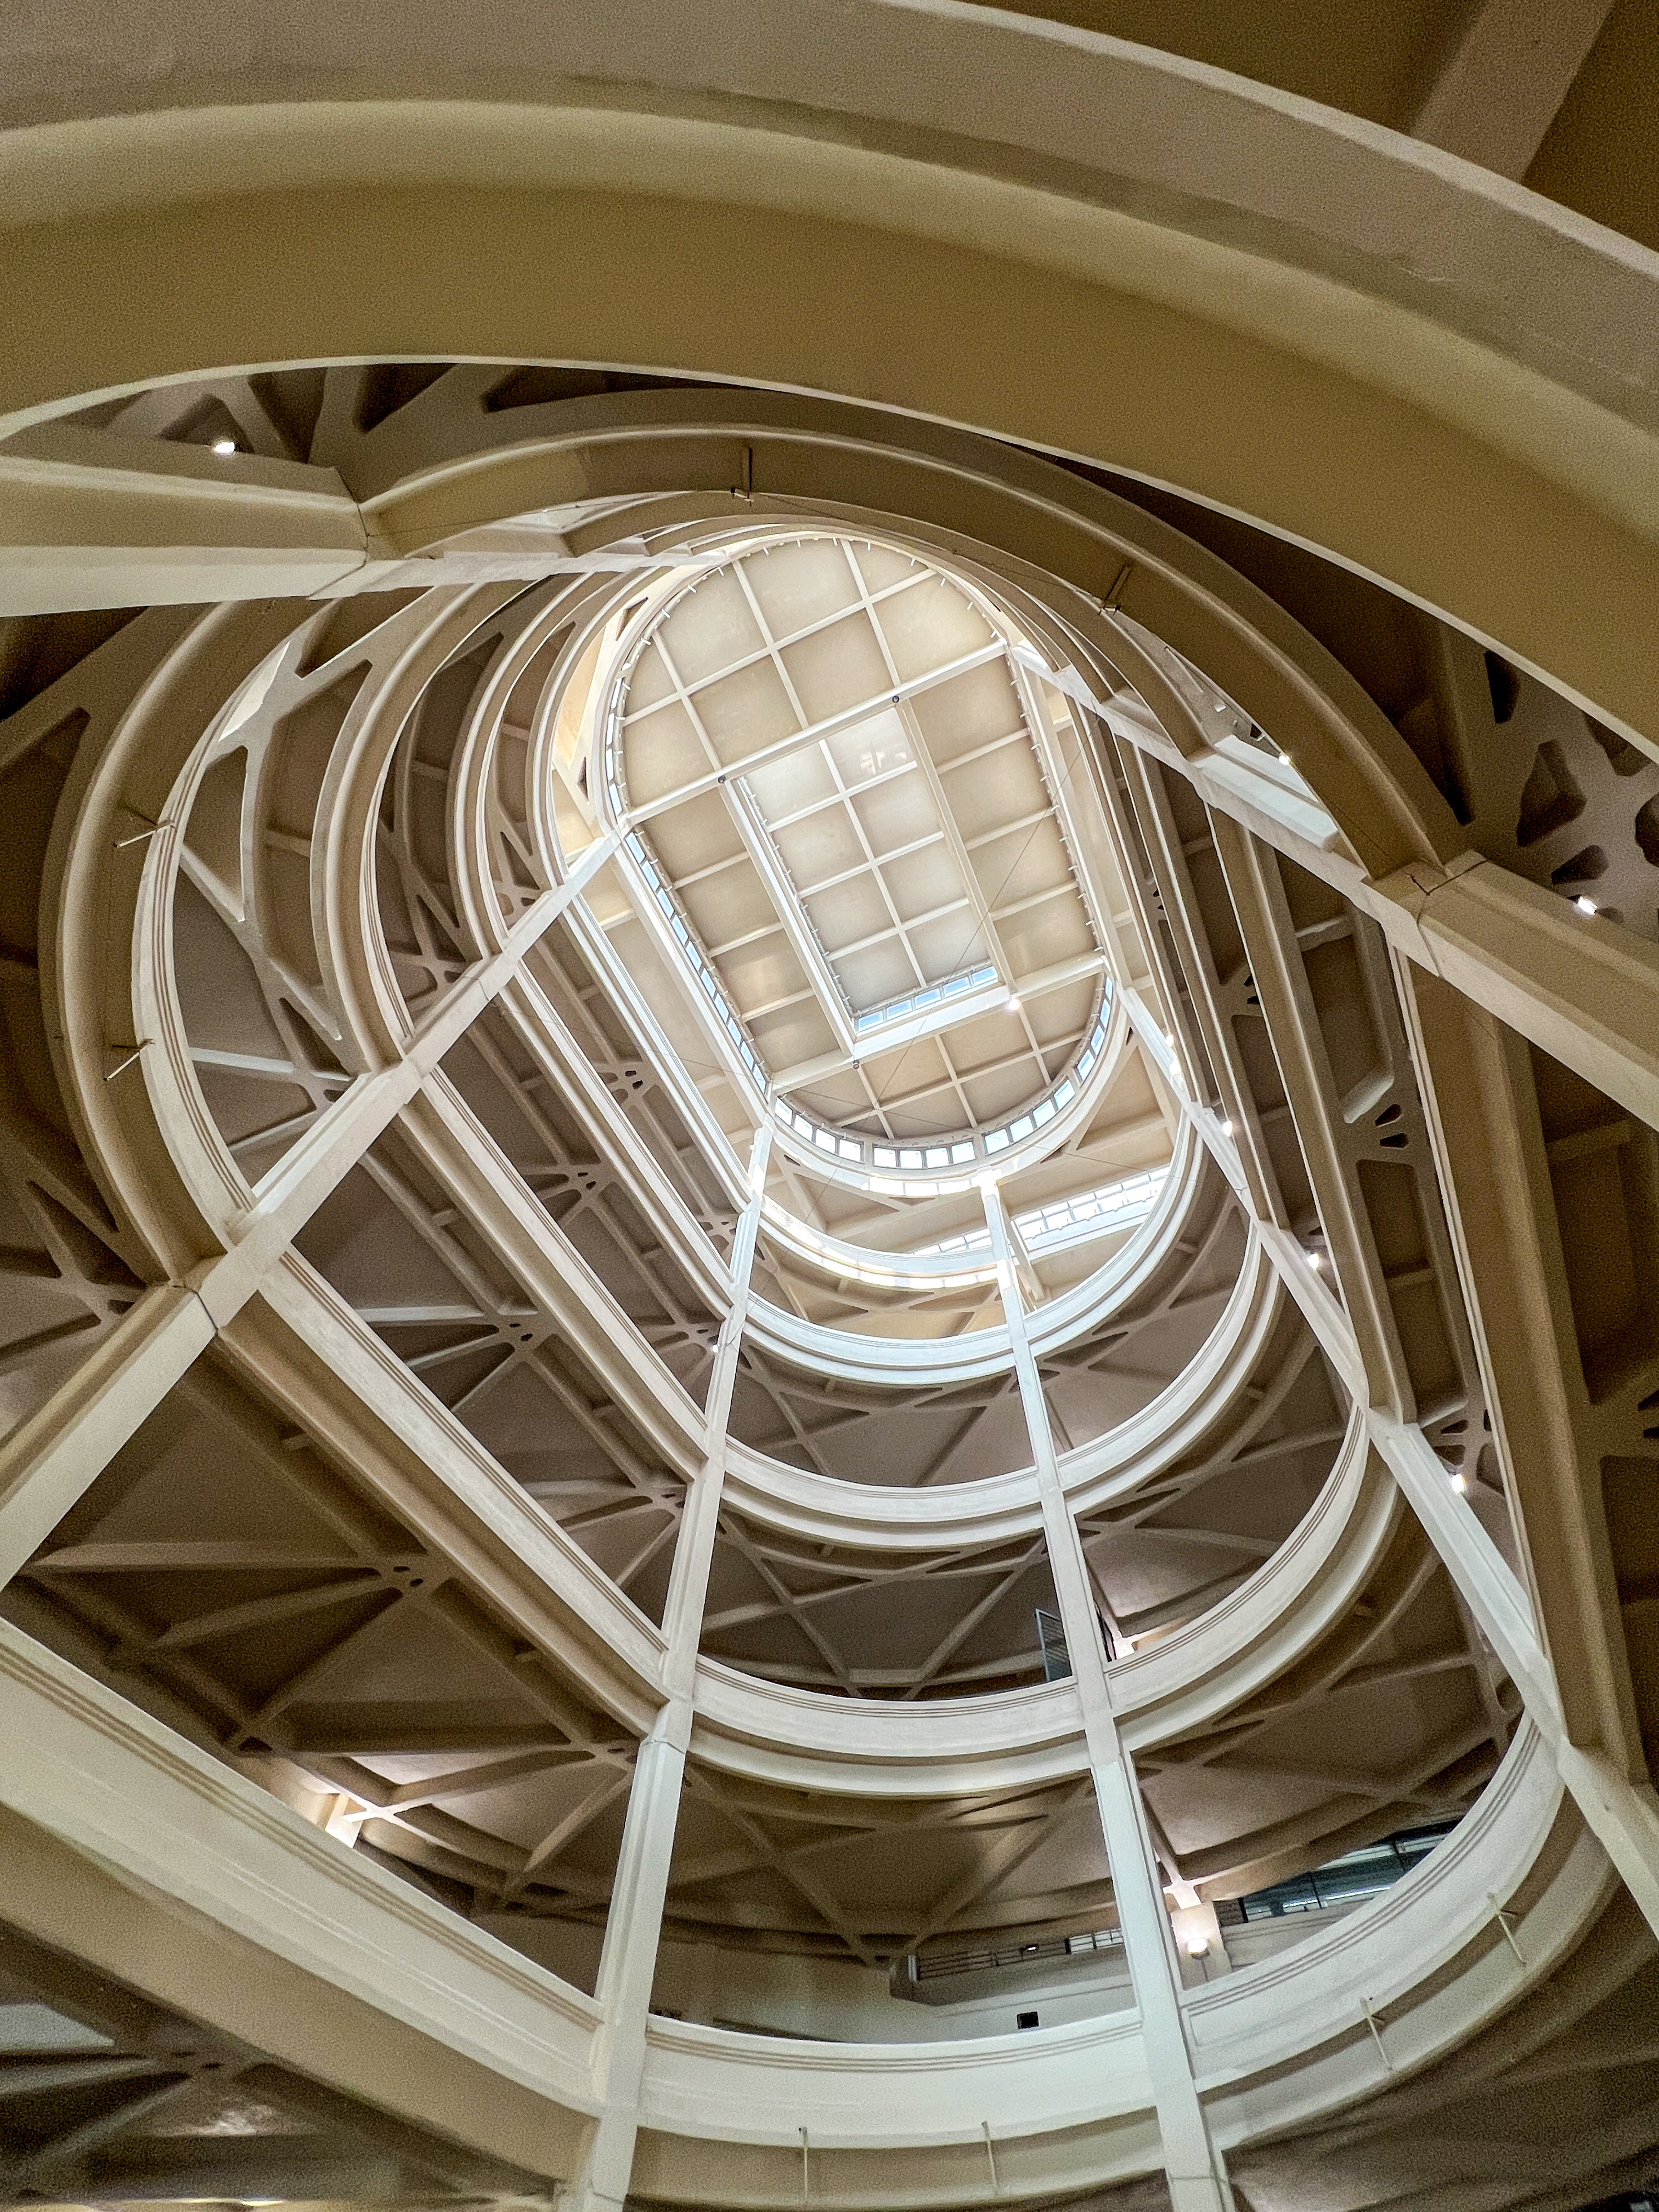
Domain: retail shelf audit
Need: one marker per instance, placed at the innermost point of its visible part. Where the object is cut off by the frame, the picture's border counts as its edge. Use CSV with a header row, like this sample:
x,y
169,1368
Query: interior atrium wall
x,y
828,1111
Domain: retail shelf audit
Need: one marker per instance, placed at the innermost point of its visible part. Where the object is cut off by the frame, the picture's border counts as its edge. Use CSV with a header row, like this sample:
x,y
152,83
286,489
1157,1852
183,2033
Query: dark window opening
x,y
1347,1881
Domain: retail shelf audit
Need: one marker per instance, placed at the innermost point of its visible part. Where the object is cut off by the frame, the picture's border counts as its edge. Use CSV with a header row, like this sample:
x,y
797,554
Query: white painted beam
x,y
1496,96
235,1909
1584,989
90,519
1507,941
93,519
56,1454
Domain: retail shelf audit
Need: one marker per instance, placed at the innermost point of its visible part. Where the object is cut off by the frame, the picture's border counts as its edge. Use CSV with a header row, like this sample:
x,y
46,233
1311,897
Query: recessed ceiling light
x,y
224,445
1013,1004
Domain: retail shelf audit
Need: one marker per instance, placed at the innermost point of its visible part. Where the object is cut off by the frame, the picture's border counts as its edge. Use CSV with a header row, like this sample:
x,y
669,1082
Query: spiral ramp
x,y
830,1062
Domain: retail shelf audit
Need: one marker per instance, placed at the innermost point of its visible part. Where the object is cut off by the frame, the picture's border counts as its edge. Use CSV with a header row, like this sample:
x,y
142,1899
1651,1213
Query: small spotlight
x,y
1013,1005
1197,1946
1460,1482
1285,760
222,446
1585,905
1226,1128
1315,1259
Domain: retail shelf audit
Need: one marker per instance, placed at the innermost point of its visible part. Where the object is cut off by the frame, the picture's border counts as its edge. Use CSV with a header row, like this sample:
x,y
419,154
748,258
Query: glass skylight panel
x,y
975,1240
1112,1206
916,1002
844,795
1091,1212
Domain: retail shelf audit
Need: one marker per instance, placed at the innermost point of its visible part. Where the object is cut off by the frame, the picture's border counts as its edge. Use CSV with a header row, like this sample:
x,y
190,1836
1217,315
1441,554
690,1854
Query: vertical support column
x,y
1293,1027
1196,2175
628,1963
1489,1148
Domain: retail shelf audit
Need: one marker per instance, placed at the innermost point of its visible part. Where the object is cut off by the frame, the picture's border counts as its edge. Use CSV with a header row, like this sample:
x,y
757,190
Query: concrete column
x,y
1493,1170
628,1963
1197,2177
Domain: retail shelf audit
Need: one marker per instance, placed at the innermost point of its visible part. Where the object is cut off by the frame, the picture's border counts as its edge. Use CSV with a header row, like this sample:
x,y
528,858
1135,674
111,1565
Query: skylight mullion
x,y
960,851
715,868
768,863
849,718
997,1066
1087,840
881,936
793,637
994,948
875,868
684,698
969,1119
818,805
1036,898
740,571
1007,829
847,875
992,745
907,1101
790,906
876,1106
773,928
778,1006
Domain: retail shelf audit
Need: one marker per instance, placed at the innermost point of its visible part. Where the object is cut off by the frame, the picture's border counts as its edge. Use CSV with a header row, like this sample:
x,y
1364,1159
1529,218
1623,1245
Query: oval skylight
x,y
851,795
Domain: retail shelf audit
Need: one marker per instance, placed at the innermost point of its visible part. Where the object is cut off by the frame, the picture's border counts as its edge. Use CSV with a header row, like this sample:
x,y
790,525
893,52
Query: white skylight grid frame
x,y
829,1146
920,1005
919,1001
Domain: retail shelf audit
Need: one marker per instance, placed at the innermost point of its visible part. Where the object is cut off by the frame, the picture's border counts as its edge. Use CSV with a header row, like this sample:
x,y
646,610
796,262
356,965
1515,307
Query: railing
x,y
1345,1881
1051,1642
938,1963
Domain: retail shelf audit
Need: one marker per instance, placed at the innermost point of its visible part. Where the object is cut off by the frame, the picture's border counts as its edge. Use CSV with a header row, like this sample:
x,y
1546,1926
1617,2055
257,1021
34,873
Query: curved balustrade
x,y
873,1360
1291,2027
